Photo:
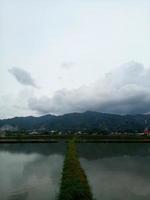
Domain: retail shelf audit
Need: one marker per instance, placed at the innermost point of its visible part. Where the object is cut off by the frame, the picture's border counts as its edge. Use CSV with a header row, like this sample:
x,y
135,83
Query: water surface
x,y
30,171
115,171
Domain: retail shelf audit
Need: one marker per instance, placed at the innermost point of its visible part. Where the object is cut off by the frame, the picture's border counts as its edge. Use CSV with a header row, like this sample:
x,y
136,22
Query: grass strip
x,y
74,183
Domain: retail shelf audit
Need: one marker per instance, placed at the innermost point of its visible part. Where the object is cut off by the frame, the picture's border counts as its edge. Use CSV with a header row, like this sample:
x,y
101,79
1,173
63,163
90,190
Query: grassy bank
x,y
74,184
79,138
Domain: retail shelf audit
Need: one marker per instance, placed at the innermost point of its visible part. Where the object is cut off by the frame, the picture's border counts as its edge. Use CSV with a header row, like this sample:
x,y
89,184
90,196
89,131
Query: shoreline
x,y
79,139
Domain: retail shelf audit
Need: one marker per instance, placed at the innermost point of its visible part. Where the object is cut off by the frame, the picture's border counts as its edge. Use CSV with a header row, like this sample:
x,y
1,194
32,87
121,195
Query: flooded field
x,y
115,171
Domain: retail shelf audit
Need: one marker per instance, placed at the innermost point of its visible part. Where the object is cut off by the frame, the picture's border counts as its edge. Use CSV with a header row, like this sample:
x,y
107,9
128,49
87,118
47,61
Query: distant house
x,y
53,131
34,133
146,131
140,134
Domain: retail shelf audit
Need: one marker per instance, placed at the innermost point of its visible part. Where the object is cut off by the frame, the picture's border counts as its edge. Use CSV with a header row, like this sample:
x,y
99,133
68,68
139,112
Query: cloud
x,y
22,76
122,91
10,107
68,65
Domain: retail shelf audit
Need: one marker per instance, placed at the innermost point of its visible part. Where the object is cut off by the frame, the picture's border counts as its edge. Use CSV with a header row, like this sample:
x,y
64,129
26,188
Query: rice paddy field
x,y
98,171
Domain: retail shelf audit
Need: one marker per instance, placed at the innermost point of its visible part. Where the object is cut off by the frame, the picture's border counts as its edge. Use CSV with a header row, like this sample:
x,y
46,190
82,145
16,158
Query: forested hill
x,y
81,121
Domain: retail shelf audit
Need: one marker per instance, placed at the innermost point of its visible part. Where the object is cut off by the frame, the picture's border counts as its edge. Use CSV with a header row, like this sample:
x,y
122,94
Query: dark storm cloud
x,y
22,76
126,90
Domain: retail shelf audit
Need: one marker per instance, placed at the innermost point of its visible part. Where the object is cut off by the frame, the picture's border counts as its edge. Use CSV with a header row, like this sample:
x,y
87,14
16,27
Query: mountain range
x,y
89,121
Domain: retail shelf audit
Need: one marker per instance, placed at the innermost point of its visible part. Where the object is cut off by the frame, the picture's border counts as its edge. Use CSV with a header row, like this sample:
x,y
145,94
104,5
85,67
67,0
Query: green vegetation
x,y
87,122
74,184
79,138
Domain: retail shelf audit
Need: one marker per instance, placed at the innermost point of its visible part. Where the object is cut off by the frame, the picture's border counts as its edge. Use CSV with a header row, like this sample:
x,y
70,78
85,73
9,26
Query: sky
x,y
72,56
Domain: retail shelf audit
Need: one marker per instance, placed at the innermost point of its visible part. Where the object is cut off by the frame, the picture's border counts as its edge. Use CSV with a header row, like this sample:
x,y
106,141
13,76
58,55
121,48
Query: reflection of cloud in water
x,y
30,177
115,171
20,196
44,174
119,177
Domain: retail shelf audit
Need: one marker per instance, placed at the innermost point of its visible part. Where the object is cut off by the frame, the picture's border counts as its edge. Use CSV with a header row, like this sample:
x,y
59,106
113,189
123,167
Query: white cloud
x,y
123,91
68,65
16,104
70,44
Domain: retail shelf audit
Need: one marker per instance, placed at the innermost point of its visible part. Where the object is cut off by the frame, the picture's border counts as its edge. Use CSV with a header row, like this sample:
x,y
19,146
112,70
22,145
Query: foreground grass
x,y
74,184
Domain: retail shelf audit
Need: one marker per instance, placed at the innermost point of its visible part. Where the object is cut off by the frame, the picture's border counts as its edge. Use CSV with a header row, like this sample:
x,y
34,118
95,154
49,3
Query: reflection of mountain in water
x,y
102,150
43,148
85,150
122,169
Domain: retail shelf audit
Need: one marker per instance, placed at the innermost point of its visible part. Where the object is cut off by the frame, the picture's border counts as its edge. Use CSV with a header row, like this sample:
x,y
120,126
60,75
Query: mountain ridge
x,y
88,120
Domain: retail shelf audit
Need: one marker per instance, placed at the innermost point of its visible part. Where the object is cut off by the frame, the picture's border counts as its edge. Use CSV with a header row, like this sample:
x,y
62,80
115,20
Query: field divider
x,y
74,183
